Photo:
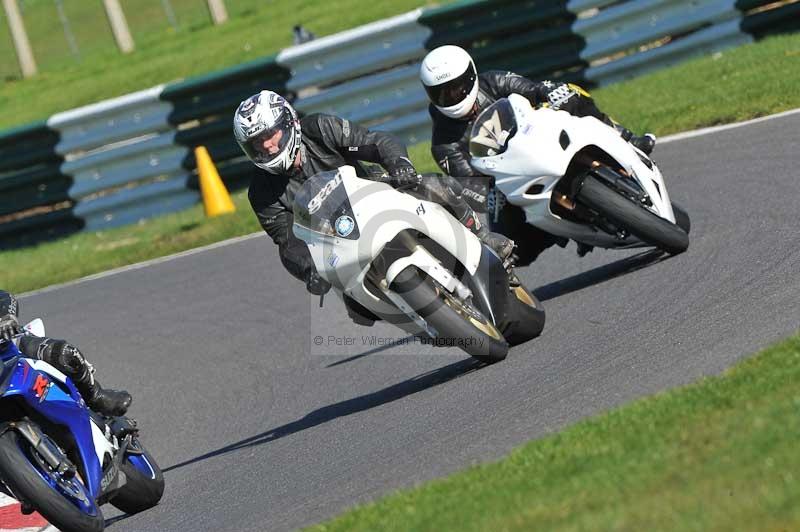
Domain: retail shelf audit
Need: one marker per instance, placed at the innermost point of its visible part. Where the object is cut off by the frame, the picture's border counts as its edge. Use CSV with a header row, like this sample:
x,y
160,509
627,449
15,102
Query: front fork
x,y
618,179
44,446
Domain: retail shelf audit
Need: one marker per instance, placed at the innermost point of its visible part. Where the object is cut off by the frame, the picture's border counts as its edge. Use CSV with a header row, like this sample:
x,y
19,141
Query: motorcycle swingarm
x,y
113,477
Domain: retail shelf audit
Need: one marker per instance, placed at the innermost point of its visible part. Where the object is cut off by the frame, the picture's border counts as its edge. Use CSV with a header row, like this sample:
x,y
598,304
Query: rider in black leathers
x,y
63,356
326,143
452,123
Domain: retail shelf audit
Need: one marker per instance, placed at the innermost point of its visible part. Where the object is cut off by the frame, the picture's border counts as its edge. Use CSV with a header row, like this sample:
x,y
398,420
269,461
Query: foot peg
x,y
123,426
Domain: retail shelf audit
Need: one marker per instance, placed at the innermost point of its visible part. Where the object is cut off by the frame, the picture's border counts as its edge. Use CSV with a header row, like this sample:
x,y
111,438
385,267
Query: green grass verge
x,y
83,254
746,82
256,28
721,454
737,84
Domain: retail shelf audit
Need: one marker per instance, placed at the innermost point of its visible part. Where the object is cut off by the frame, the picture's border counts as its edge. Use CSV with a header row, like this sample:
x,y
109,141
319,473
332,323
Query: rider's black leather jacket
x,y
450,141
327,143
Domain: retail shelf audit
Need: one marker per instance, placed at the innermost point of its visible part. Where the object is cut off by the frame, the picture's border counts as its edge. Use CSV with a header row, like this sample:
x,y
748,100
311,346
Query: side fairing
x,y
380,213
53,396
545,143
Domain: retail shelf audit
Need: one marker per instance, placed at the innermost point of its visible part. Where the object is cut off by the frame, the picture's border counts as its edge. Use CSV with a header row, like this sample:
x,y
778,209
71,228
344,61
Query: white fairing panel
x,y
102,446
382,212
43,366
540,153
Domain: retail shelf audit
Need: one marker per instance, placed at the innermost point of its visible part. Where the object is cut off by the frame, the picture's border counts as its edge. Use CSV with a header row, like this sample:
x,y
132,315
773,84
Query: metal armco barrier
x,y
368,74
123,160
130,158
33,192
533,37
705,26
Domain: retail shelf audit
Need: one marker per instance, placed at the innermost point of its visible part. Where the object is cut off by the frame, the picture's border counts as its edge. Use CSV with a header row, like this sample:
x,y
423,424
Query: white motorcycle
x,y
575,177
408,261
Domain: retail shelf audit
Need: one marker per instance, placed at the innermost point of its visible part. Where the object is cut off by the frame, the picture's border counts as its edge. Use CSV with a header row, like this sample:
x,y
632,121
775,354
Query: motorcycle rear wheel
x,y
527,317
141,491
20,475
456,324
640,222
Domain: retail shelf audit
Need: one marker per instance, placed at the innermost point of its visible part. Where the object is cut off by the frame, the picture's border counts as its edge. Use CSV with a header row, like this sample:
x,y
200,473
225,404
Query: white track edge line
x,y
663,140
144,264
724,127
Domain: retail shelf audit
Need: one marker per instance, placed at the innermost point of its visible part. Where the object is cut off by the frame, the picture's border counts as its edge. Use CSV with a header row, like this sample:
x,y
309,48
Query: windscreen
x,y
493,129
322,205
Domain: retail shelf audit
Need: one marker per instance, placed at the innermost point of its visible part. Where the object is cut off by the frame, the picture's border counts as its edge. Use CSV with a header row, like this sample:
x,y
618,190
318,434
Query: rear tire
x,y
455,324
141,492
681,217
640,222
526,317
25,482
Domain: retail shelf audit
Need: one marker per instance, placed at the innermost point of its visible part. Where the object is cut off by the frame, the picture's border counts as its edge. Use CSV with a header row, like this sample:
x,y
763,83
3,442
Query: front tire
x,y
19,471
144,486
640,222
456,324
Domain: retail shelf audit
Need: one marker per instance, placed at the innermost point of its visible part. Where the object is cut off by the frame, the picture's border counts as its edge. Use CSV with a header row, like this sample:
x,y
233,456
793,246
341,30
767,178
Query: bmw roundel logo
x,y
345,225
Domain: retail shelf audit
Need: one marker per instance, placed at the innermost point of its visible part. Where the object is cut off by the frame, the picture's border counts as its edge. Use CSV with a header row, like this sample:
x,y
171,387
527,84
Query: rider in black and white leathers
x,y
450,137
326,143
452,124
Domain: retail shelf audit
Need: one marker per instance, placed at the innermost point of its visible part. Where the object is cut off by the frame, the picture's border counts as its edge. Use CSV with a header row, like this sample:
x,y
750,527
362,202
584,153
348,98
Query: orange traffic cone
x,y
215,196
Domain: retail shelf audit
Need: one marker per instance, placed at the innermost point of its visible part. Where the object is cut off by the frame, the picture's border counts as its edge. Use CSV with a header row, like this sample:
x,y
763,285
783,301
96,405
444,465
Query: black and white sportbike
x,y
408,261
575,177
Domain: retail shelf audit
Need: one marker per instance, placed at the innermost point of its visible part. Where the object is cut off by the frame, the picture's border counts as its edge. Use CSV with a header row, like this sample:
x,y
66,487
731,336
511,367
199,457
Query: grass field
x,y
717,455
750,81
256,28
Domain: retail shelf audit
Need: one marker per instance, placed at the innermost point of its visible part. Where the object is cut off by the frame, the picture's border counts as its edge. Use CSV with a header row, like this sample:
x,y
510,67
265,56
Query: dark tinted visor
x,y
455,90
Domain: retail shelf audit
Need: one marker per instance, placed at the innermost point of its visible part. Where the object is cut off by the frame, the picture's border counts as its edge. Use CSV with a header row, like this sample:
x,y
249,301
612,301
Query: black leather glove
x,y
9,327
317,285
402,172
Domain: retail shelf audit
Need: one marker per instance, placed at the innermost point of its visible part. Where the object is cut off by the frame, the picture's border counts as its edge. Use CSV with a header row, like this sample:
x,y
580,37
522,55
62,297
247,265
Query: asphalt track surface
x,y
259,429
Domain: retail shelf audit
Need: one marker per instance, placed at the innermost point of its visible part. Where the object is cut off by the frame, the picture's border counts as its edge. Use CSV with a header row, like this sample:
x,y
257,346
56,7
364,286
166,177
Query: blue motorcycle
x,y
61,459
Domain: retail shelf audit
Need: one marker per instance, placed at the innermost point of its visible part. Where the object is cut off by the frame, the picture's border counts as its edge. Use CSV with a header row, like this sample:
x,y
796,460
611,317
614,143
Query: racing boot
x,y
645,143
500,244
105,401
68,359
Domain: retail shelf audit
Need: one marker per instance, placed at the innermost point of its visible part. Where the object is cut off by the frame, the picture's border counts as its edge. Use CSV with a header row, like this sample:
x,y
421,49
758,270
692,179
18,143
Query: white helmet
x,y
450,79
263,116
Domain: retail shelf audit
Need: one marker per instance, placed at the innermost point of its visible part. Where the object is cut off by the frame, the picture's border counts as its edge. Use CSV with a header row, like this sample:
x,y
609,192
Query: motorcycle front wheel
x,y
31,480
457,324
634,218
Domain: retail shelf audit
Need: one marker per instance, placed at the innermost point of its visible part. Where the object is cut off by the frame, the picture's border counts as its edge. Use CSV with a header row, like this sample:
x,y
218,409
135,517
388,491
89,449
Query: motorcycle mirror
x,y
35,327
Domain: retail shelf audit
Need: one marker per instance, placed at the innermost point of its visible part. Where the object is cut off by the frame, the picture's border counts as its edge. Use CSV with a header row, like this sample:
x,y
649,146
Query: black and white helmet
x,y
265,116
450,79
